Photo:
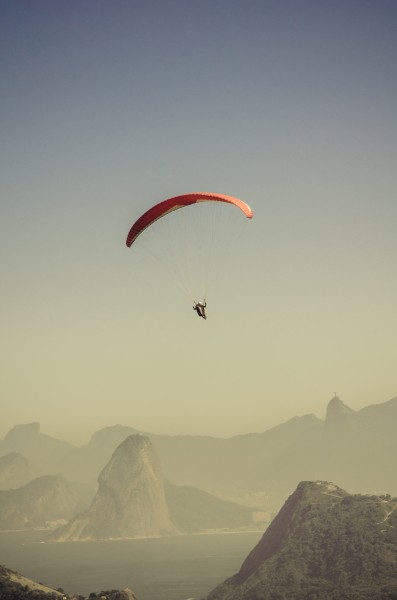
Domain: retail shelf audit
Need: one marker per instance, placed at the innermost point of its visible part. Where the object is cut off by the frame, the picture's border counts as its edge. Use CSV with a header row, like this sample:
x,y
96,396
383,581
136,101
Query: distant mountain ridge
x,y
41,449
133,501
324,543
355,448
372,424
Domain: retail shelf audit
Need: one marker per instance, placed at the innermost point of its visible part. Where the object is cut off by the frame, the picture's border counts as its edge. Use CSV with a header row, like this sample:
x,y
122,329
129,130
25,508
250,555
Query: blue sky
x,y
108,108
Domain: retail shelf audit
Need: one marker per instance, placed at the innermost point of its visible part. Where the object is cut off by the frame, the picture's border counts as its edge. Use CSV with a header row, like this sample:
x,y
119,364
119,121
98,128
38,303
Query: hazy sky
x,y
109,107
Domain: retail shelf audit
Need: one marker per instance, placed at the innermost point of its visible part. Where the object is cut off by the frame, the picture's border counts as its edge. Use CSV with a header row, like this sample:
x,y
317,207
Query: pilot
x,y
199,307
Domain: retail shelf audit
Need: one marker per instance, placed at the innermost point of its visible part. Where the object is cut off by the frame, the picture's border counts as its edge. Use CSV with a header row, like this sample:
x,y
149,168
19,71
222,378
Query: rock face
x,y
324,543
16,471
130,501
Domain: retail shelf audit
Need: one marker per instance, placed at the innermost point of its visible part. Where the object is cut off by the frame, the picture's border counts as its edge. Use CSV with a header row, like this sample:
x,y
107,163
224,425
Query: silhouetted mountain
x,y
358,445
340,420
324,544
227,468
16,470
376,424
134,501
130,501
373,425
85,463
43,450
41,503
355,448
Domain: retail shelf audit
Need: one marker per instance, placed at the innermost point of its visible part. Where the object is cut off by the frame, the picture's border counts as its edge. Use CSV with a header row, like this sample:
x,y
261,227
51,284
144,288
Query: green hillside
x,y
324,544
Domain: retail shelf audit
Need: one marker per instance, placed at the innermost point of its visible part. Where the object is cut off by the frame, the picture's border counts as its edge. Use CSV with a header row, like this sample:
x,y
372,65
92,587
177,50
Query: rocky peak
x,y
336,406
339,420
130,501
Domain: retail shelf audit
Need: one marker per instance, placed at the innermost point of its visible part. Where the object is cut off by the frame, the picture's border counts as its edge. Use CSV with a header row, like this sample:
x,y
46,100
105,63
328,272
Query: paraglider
x,y
200,307
163,208
194,253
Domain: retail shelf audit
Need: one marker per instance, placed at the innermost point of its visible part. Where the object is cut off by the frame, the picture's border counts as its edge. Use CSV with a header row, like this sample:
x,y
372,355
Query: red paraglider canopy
x,y
167,206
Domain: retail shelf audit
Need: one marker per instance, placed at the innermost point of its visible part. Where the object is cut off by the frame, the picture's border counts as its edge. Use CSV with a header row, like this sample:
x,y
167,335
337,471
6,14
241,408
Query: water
x,y
174,568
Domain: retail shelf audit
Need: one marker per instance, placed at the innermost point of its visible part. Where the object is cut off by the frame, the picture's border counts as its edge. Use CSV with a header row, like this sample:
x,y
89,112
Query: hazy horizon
x,y
77,438
109,108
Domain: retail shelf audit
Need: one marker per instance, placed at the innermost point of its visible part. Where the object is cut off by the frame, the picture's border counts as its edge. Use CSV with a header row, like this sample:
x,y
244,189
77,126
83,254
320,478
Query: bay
x,y
171,568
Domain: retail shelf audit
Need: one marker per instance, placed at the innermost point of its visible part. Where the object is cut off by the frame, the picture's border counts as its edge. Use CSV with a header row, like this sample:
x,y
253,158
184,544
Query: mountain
x,y
374,424
130,501
16,470
43,450
355,448
232,468
225,467
41,503
133,500
85,463
323,544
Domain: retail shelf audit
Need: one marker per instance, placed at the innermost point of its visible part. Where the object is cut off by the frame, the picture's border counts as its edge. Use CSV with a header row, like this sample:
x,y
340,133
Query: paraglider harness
x,y
199,307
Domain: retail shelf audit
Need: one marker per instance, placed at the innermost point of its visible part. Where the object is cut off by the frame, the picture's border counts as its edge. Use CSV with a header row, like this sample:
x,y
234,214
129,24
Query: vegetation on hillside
x,y
13,590
323,545
16,587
